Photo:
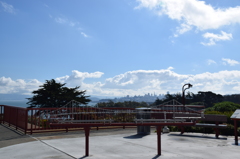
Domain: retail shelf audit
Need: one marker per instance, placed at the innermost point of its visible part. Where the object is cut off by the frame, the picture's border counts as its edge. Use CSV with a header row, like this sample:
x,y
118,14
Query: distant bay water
x,y
16,103
23,103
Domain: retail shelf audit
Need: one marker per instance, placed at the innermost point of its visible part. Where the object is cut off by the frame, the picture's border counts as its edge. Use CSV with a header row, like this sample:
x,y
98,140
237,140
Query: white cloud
x,y
216,37
193,13
182,29
78,77
210,62
161,81
85,35
230,62
137,82
70,23
143,79
170,68
223,82
7,7
8,86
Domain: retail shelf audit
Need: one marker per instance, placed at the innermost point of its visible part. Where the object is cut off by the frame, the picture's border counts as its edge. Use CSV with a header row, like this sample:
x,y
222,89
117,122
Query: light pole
x,y
183,92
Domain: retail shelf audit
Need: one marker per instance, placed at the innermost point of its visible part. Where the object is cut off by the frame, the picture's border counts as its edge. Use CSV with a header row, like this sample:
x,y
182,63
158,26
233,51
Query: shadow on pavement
x,y
155,157
136,136
8,133
84,157
197,136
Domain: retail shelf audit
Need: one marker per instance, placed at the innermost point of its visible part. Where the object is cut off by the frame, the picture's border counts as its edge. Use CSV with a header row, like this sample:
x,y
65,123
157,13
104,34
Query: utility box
x,y
143,113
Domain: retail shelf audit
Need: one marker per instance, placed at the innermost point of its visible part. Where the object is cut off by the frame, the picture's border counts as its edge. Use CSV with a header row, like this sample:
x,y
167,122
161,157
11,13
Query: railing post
x,y
159,128
216,130
17,120
182,129
87,132
1,112
9,115
235,132
31,121
26,120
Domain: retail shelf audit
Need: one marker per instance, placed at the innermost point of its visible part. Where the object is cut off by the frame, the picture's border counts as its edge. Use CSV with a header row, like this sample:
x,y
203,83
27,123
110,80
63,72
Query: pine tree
x,y
52,94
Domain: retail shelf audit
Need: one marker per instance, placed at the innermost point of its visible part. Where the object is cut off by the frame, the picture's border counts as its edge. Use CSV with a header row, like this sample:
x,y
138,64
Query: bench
x,y
210,118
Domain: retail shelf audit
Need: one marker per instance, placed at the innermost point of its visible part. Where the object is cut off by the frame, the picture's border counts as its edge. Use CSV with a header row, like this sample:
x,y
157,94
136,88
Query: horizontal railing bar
x,y
76,121
158,120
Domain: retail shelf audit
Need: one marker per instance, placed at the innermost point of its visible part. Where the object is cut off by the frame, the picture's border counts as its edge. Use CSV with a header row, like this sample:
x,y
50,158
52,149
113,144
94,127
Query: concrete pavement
x,y
9,136
122,144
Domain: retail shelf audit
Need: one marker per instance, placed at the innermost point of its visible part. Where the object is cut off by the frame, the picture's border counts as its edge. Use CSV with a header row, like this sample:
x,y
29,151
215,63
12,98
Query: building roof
x,y
236,114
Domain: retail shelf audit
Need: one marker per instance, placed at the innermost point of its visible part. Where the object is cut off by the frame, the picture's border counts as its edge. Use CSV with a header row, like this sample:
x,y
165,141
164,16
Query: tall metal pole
x,y
183,92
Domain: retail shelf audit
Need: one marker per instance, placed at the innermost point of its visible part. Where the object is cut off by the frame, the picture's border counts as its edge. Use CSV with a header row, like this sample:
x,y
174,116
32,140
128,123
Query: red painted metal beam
x,y
182,130
31,121
159,128
119,124
235,132
217,130
26,121
87,132
88,125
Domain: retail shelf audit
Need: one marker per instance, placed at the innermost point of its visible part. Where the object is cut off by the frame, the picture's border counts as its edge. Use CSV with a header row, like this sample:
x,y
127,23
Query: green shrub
x,y
224,107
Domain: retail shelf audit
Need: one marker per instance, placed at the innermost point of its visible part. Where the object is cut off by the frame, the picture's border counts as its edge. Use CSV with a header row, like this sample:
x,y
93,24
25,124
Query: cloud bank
x,y
195,14
20,86
78,77
136,82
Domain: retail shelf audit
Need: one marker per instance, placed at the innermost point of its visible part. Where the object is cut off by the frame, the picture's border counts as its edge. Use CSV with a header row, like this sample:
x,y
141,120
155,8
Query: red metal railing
x,y
1,114
14,116
40,118
34,120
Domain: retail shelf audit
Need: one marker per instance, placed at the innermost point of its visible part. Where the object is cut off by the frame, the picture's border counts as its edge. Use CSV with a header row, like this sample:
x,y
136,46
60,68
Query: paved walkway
x,y
9,136
118,144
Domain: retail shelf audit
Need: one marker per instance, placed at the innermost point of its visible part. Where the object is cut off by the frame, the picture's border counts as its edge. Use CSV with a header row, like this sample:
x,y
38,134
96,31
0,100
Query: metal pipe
x,y
159,128
120,124
235,132
87,132
183,93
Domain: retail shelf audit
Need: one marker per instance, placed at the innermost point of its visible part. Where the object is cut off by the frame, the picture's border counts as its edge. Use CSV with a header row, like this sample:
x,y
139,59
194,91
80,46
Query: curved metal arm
x,y
189,86
183,92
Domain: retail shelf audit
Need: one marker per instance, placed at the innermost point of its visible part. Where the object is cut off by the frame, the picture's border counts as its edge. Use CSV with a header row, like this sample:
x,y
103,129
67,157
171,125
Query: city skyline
x,y
119,48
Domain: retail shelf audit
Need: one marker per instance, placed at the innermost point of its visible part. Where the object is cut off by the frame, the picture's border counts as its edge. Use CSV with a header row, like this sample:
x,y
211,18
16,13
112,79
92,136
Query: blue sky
x,y
118,48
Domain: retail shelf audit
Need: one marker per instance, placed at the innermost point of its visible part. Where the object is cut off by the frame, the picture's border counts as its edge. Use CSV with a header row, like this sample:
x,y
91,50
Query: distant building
x,y
148,98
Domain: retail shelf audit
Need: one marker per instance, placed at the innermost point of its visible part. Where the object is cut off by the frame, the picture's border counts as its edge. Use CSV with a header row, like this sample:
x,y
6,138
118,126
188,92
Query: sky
x,y
113,48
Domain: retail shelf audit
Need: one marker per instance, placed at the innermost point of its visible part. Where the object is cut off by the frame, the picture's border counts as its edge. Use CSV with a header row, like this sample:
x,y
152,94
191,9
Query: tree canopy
x,y
207,99
224,107
53,94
